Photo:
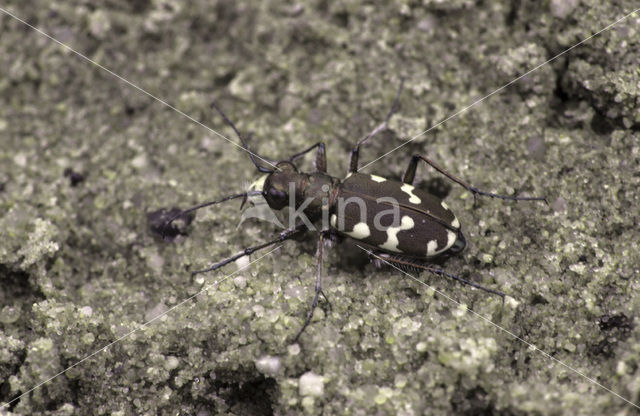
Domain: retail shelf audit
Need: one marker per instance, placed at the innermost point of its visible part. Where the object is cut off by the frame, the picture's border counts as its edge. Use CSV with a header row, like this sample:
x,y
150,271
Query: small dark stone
x,y
74,177
158,222
618,321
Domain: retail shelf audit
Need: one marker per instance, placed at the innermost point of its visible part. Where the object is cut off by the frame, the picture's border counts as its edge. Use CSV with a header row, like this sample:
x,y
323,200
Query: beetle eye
x,y
276,199
276,194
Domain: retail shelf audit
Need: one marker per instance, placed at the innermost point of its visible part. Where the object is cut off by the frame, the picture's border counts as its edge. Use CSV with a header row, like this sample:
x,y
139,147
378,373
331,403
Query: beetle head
x,y
277,185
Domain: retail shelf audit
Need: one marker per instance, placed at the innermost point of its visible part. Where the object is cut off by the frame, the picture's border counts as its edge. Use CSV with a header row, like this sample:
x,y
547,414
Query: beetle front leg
x,y
284,236
321,157
410,174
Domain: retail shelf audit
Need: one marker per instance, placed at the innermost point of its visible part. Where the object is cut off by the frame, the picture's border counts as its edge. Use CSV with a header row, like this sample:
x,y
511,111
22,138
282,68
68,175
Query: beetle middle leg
x,y
410,173
321,157
314,304
353,163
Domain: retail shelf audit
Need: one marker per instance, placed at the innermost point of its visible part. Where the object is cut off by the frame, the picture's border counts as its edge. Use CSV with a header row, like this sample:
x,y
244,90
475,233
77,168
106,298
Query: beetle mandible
x,y
423,228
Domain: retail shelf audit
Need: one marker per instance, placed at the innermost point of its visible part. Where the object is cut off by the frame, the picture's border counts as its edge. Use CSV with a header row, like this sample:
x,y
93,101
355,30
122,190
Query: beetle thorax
x,y
288,187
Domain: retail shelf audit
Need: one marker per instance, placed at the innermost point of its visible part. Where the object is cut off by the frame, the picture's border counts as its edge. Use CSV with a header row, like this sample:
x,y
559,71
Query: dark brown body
x,y
385,215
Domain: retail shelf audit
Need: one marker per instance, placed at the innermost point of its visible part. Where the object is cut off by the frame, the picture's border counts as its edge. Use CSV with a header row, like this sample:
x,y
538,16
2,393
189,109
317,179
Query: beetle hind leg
x,y
413,265
410,174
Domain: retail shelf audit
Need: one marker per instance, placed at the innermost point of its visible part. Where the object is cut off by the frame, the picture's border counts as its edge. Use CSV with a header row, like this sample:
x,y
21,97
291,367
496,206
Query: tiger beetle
x,y
423,228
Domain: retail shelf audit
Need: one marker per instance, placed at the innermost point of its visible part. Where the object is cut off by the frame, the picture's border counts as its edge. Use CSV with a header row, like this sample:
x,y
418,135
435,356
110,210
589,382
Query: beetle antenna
x,y
243,195
254,157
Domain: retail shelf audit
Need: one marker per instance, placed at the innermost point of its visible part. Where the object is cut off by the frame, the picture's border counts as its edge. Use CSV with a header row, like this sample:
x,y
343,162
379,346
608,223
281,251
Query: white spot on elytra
x,y
409,190
455,223
348,175
360,231
377,178
333,220
432,247
451,238
406,223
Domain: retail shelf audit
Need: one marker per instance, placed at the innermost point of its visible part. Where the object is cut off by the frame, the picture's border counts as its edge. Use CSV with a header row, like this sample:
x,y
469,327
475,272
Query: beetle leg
x,y
321,157
410,173
285,235
326,299
353,163
415,265
318,286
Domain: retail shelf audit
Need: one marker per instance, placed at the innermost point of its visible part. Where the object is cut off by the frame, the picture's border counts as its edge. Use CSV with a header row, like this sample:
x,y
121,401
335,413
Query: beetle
x,y
422,229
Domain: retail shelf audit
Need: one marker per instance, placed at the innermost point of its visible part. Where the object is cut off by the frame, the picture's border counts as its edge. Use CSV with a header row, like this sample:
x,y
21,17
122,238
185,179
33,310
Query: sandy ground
x,y
86,157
